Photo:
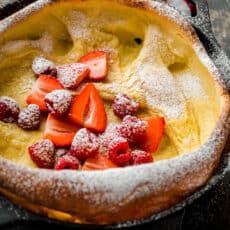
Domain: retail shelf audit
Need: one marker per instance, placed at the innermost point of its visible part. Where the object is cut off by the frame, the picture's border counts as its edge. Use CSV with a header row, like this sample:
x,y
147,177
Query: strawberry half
x,y
97,62
44,84
98,162
153,134
87,109
60,131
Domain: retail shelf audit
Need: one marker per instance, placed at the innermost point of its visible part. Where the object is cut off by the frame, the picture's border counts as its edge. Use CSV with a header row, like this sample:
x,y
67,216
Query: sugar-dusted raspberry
x,y
42,153
43,66
9,109
119,151
132,128
29,118
60,152
140,157
84,145
58,102
123,105
67,162
71,75
107,136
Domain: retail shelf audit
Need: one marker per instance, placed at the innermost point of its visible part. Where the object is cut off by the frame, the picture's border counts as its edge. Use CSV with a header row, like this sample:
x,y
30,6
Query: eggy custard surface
x,y
149,60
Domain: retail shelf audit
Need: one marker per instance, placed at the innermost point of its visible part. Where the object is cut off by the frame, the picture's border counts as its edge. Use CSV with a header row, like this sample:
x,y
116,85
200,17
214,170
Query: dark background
x,y
211,211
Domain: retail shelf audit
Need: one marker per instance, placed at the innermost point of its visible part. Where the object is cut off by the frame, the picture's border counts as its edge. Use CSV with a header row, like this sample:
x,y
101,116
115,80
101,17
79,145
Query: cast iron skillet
x,y
204,209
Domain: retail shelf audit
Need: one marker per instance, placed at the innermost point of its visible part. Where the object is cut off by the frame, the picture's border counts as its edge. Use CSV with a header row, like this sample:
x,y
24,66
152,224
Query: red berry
x,y
42,153
140,157
71,75
84,145
132,128
58,102
29,118
123,105
9,109
67,162
43,66
119,151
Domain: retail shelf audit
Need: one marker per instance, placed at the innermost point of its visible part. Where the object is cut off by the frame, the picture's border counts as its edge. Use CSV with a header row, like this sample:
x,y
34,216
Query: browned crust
x,y
155,187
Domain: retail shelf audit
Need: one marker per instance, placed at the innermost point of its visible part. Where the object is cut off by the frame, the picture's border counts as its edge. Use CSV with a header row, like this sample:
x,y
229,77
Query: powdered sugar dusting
x,y
77,24
161,90
71,75
191,86
40,65
113,190
29,118
58,101
84,145
45,43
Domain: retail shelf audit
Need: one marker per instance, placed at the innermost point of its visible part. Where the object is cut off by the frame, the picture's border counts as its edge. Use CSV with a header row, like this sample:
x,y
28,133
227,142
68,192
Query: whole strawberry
x,y
43,153
29,118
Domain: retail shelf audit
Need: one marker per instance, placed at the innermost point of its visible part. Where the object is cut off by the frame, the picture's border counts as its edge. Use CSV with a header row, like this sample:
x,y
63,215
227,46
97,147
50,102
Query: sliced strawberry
x,y
60,131
71,75
97,63
98,162
87,109
44,84
153,134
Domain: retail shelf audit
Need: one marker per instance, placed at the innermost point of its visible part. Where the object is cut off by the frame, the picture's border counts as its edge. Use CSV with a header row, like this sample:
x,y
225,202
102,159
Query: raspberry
x,y
58,102
61,152
9,109
67,162
140,157
42,153
119,151
123,105
29,118
132,128
84,145
43,66
106,137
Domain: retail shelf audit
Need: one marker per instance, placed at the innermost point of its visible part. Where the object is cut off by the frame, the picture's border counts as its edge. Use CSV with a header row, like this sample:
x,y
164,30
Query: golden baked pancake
x,y
155,58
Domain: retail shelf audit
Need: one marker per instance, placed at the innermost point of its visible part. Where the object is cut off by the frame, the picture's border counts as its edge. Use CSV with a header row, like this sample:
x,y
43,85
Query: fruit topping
x,y
119,151
84,145
97,63
41,65
98,162
42,153
29,118
44,84
153,135
87,109
59,152
9,109
140,157
123,105
58,102
107,136
71,75
67,162
60,131
132,128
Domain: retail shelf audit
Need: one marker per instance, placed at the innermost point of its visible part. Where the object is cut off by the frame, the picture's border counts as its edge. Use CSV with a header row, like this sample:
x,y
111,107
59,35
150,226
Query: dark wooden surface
x,y
220,16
